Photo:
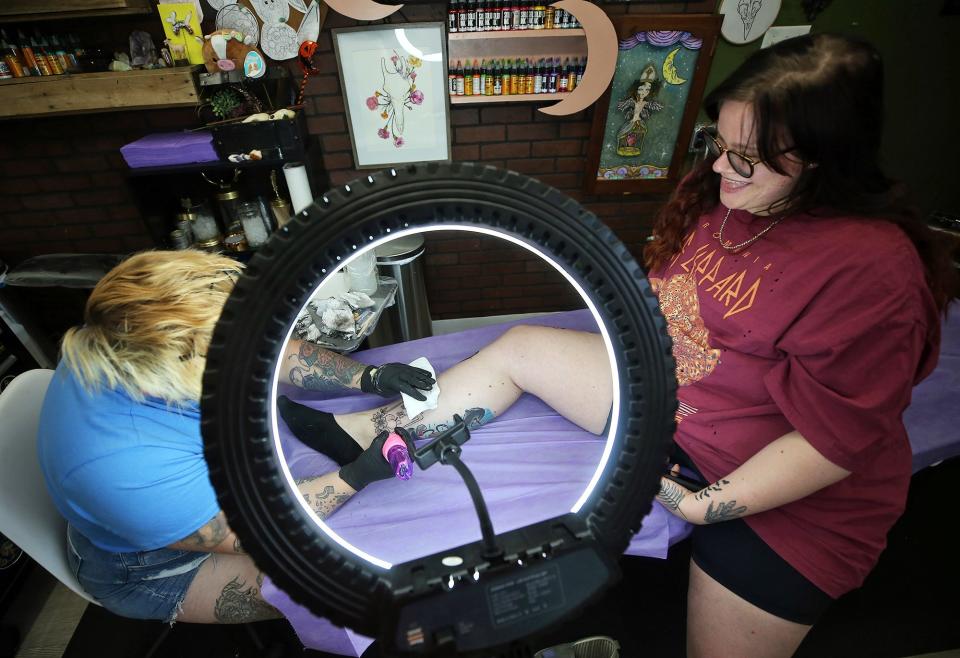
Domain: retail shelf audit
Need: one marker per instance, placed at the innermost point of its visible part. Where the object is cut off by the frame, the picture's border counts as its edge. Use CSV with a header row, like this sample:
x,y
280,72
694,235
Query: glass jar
x,y
235,242
203,224
227,202
252,221
213,246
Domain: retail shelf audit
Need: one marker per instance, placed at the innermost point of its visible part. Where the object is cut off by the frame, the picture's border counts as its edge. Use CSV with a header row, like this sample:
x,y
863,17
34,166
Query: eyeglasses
x,y
742,164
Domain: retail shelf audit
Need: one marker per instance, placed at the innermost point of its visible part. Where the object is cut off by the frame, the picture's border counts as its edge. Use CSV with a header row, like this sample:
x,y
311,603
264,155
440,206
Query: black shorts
x,y
734,555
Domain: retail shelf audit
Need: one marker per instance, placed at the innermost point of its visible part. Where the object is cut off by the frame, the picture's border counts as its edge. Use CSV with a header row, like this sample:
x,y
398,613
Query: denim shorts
x,y
140,585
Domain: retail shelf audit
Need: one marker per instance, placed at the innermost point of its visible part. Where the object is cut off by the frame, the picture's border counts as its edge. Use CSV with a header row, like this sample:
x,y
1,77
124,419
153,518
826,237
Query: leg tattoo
x,y
239,603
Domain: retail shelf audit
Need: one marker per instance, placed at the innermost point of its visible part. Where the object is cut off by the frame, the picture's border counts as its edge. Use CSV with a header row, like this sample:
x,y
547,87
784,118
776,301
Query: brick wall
x,y
63,186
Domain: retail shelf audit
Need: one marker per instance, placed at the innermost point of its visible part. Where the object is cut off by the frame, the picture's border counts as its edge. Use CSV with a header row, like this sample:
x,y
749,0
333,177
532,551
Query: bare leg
x,y
226,590
569,370
720,623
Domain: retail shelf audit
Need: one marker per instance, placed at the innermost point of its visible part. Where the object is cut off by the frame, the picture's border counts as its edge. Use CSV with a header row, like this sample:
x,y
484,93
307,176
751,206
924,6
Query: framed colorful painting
x,y
644,122
394,81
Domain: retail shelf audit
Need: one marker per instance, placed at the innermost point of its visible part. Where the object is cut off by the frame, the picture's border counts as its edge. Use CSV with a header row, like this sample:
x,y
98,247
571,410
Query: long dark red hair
x,y
824,94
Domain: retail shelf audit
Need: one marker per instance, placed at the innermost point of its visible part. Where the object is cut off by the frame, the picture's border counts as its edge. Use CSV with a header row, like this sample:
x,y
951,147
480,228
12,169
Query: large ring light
x,y
550,569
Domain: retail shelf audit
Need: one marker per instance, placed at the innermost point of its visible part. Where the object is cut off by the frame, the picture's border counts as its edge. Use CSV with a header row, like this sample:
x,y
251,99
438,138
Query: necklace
x,y
737,247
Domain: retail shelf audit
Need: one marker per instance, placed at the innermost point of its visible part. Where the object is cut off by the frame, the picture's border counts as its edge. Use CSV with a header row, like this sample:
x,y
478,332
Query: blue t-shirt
x,y
130,476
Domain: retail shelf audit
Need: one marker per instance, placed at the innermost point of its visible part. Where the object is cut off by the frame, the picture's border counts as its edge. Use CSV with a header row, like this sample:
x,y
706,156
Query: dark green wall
x,y
921,52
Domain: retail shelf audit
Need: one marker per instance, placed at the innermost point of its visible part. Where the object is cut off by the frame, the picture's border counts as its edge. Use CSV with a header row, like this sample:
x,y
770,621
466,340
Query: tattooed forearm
x,y
326,502
671,495
715,488
208,536
723,511
239,603
317,369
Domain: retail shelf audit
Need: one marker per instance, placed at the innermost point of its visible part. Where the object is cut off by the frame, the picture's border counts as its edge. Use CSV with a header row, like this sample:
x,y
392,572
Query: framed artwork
x,y
394,80
644,122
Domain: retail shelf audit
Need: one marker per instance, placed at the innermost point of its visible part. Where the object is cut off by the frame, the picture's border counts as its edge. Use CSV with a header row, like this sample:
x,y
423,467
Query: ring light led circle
x,y
254,488
358,252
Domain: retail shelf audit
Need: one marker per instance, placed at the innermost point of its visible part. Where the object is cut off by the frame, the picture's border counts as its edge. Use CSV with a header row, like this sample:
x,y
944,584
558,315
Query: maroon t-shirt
x,y
822,326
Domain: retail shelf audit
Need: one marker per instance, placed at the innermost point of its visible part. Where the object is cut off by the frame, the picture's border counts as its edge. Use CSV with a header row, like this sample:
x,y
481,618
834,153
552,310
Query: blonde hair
x,y
148,324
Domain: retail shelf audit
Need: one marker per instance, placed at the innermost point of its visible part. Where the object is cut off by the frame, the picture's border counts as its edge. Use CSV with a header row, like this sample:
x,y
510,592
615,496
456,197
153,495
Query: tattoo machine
x,y
397,454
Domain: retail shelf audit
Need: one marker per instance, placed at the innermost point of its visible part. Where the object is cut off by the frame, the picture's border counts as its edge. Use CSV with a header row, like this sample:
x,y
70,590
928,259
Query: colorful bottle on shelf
x,y
30,62
468,80
539,11
452,17
505,78
459,74
506,15
477,86
11,56
581,66
396,453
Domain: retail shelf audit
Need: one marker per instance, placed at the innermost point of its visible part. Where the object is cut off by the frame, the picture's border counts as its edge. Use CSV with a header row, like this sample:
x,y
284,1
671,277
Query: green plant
x,y
224,103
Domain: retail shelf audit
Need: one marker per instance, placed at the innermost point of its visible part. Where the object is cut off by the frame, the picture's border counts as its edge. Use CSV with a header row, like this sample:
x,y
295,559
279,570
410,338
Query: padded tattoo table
x,y
531,464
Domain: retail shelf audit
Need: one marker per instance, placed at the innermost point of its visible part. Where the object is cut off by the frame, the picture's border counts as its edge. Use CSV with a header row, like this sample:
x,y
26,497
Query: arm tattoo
x,y
715,488
325,502
671,495
237,548
723,512
317,369
239,603
210,535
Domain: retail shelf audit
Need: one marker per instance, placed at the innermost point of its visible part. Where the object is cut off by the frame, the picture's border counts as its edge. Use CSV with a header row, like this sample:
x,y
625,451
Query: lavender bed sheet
x,y
532,464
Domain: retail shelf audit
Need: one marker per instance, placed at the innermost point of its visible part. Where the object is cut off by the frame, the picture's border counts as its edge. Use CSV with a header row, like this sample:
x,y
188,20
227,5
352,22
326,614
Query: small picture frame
x,y
644,122
394,80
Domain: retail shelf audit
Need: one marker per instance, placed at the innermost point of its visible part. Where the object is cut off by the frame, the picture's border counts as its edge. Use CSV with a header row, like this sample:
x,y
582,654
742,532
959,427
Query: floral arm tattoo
x,y
317,369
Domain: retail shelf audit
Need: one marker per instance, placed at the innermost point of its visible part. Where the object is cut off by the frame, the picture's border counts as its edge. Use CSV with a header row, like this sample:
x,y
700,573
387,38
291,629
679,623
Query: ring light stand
x,y
514,584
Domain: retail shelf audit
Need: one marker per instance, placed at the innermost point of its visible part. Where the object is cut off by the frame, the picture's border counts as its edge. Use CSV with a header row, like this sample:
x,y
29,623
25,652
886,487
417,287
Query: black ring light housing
x,y
548,570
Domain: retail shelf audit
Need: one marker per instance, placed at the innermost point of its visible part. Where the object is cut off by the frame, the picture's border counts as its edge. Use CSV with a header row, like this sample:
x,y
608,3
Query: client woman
x,y
120,448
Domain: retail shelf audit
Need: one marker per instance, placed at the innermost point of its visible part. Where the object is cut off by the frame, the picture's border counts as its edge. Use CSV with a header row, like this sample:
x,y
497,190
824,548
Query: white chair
x,y
28,516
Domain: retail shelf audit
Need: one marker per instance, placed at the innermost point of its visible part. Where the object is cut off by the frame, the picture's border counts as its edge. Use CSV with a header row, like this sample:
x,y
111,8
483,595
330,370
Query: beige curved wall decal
x,y
363,10
602,49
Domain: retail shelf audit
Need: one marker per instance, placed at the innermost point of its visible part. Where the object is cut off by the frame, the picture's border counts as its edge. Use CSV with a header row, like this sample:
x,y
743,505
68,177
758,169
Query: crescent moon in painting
x,y
601,57
362,10
670,69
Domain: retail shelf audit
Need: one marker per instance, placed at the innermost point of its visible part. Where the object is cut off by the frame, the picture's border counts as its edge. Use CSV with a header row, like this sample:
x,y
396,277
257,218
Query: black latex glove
x,y
369,467
392,379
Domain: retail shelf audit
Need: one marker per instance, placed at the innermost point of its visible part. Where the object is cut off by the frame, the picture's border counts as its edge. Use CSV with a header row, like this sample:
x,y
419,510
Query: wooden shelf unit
x,y
525,44
507,98
21,11
83,93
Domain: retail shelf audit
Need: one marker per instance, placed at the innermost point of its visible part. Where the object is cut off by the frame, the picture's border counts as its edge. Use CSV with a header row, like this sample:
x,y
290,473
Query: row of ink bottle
x,y
502,77
496,15
23,56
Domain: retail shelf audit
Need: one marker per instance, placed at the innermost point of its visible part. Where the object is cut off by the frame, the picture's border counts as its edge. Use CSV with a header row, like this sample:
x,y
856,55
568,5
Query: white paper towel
x,y
417,407
298,185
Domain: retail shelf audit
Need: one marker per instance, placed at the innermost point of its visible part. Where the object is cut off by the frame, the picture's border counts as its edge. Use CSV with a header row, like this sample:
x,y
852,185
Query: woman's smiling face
x,y
766,187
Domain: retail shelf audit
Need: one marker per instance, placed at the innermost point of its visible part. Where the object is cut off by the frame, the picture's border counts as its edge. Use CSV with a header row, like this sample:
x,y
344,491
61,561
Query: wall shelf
x,y
20,11
507,98
513,44
83,93
517,34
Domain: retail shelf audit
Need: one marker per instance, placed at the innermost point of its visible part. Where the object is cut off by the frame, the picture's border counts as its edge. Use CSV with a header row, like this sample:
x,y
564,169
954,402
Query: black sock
x,y
318,430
